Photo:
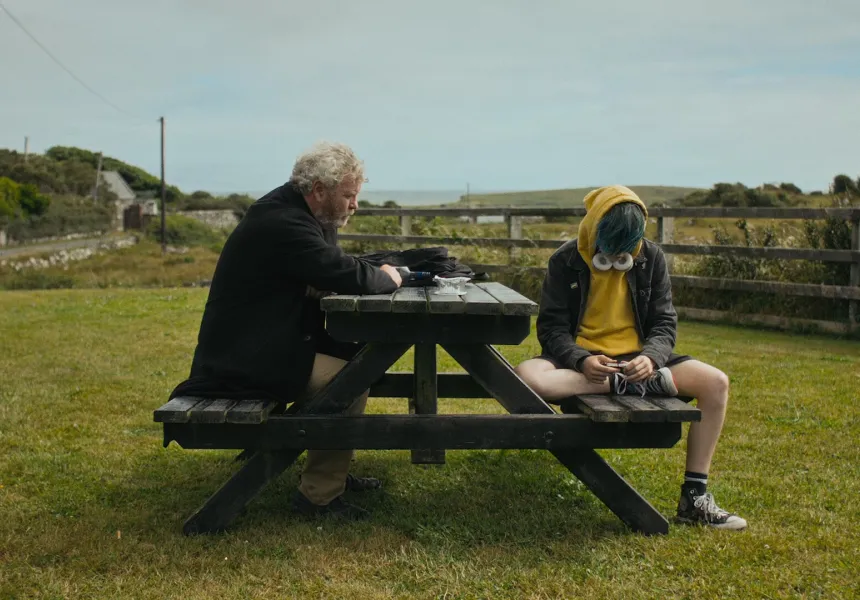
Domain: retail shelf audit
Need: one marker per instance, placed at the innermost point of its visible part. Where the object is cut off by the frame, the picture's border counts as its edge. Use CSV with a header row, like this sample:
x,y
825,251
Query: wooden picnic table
x,y
467,327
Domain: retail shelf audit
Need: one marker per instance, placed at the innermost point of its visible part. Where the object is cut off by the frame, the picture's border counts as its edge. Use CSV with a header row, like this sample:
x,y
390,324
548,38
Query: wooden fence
x,y
665,217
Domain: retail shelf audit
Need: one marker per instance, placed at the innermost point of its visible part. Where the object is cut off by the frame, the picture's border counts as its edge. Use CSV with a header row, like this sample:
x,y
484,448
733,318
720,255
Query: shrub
x,y
184,231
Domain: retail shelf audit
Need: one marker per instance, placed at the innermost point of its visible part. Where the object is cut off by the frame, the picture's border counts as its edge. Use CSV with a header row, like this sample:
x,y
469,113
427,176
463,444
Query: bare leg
x,y
710,387
551,383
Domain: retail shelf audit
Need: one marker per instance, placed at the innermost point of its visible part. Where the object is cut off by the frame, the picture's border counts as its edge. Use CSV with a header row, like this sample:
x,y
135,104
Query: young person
x,y
607,325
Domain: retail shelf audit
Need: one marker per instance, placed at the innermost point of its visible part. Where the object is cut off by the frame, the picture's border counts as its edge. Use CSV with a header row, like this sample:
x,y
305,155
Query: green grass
x,y
573,197
92,504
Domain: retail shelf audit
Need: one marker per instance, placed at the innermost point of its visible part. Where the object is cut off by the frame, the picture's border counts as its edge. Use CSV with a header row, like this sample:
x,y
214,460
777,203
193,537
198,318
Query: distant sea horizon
x,y
402,197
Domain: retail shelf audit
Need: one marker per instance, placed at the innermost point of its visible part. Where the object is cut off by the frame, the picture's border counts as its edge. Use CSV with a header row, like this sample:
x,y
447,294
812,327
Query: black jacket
x,y
565,291
260,329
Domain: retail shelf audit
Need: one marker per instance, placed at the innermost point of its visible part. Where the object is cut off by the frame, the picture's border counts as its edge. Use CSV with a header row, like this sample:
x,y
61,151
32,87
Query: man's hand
x,y
639,369
596,369
392,272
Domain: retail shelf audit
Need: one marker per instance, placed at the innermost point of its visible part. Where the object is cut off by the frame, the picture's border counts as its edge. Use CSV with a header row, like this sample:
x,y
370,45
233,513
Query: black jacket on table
x,y
564,296
260,329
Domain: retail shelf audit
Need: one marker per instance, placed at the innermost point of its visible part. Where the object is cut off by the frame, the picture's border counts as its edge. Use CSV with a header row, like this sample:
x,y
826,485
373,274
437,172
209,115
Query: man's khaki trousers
x,y
324,477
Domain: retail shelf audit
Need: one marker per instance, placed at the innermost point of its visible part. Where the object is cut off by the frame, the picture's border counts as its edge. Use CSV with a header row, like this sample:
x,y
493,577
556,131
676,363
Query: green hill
x,y
650,194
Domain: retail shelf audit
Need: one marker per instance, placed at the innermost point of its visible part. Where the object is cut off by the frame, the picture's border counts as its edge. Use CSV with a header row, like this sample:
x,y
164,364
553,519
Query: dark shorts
x,y
674,359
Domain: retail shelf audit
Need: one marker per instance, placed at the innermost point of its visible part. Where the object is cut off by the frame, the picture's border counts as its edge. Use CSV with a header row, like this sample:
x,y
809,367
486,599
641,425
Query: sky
x,y
503,95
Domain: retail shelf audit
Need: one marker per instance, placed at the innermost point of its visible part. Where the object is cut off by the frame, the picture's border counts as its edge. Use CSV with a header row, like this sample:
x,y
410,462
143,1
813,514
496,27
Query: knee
x,y
718,390
530,374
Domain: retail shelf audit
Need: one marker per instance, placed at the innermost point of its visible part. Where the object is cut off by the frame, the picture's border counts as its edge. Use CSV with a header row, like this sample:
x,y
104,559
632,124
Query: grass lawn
x,y
92,505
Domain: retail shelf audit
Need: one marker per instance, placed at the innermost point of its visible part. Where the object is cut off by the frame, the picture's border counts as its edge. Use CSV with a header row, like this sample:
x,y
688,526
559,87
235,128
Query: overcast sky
x,y
503,94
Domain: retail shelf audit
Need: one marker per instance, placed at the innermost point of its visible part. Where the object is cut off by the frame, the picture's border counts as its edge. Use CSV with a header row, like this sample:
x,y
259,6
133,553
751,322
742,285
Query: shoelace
x,y
621,386
709,508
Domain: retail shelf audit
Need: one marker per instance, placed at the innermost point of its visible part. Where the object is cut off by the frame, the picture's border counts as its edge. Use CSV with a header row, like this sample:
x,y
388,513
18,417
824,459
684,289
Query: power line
x,y
61,65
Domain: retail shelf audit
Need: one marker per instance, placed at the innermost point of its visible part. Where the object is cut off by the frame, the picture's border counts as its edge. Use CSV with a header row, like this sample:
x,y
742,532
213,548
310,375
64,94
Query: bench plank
x,y
214,412
602,409
480,302
677,410
641,410
339,303
513,302
249,412
409,300
175,411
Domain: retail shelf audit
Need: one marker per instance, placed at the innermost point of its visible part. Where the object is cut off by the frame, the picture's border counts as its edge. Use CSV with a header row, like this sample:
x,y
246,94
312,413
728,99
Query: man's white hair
x,y
329,163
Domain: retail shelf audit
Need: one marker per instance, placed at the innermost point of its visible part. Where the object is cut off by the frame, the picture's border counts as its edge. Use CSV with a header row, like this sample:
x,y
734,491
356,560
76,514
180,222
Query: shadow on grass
x,y
478,499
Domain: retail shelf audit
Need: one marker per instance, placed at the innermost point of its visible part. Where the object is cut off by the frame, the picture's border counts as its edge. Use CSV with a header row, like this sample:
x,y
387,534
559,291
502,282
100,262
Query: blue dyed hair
x,y
620,229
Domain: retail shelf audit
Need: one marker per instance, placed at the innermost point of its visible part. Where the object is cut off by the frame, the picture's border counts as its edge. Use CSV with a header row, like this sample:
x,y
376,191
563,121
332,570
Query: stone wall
x,y
216,219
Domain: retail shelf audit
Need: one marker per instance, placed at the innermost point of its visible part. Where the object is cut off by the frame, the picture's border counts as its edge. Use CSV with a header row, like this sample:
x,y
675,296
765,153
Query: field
x,y
92,504
567,198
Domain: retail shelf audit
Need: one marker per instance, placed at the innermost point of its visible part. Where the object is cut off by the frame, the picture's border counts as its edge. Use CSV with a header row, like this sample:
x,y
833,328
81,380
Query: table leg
x,y
226,504
495,374
424,400
218,512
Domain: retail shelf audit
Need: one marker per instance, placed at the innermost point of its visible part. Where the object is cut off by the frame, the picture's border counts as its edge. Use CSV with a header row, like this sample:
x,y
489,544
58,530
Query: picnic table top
x,y
490,298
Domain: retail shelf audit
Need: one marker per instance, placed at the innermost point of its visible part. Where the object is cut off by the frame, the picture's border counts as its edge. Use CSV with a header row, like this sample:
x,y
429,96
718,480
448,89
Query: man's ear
x,y
318,189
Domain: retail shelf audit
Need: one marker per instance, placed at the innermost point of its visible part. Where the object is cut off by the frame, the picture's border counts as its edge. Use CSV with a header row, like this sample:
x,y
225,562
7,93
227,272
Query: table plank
x,y
338,303
445,303
375,303
513,302
480,302
409,300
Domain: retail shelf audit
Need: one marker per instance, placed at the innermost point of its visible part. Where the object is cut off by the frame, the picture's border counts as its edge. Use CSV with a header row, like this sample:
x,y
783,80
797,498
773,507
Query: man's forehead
x,y
349,185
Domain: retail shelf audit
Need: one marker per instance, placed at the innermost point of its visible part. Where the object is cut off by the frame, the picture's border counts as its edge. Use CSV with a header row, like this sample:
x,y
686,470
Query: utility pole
x,y
26,147
98,179
163,193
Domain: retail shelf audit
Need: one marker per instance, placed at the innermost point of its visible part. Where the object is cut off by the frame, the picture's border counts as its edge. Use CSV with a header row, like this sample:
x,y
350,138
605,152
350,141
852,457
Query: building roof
x,y
115,183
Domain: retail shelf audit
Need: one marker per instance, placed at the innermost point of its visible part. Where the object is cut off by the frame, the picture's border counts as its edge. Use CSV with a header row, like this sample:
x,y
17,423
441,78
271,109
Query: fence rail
x,y
515,241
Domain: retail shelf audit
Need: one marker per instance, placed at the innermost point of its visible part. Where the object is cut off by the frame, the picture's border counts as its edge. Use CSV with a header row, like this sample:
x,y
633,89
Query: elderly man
x,y
263,334
607,324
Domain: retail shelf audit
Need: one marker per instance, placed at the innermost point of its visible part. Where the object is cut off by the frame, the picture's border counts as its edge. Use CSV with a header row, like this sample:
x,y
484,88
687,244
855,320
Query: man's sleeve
x,y
308,258
553,322
662,319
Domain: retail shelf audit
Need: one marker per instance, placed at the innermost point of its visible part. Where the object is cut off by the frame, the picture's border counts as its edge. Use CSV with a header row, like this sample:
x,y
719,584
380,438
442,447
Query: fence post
x,y
665,232
405,225
515,231
854,305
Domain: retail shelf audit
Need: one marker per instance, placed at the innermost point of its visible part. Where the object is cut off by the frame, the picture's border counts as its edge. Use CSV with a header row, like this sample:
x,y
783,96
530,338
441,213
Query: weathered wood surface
x,y
409,300
176,410
480,299
424,401
427,328
603,408
428,435
513,303
198,410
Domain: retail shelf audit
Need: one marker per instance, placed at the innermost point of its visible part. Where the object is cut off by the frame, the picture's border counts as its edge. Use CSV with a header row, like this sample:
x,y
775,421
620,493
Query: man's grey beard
x,y
332,221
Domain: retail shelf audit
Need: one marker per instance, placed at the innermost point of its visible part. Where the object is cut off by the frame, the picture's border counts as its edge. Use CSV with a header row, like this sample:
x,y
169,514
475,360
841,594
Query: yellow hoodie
x,y
608,325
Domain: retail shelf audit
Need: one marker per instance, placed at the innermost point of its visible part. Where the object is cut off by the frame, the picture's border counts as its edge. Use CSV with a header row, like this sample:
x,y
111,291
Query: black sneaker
x,y
702,510
661,383
337,508
362,484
